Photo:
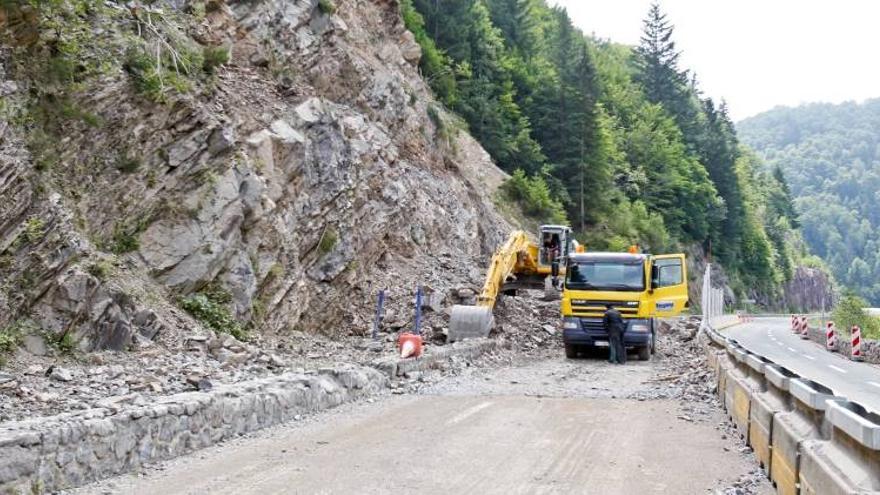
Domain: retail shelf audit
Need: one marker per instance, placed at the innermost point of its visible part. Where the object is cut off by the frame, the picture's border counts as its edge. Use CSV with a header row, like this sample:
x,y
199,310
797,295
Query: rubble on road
x,y
683,373
748,484
65,382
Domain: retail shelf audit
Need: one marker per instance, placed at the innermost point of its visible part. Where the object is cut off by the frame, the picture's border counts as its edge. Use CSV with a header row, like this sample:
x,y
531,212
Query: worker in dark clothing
x,y
615,326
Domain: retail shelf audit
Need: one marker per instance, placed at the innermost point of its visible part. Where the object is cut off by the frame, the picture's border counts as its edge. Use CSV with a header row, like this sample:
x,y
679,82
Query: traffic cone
x,y
410,345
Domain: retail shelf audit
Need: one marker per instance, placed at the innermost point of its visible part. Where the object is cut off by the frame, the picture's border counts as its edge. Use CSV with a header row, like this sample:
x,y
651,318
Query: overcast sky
x,y
758,53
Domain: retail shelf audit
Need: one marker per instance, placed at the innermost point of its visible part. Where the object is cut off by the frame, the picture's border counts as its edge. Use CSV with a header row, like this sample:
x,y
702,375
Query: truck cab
x,y
642,287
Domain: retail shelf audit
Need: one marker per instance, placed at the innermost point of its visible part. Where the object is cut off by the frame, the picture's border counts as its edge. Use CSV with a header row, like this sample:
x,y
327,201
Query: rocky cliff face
x,y
308,171
809,290
804,293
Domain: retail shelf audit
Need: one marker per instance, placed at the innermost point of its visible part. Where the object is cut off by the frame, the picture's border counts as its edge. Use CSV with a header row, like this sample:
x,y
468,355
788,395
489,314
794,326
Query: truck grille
x,y
592,325
597,307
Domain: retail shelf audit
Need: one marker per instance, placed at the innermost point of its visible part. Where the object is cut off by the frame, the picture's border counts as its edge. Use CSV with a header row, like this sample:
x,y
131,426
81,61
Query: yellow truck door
x,y
669,292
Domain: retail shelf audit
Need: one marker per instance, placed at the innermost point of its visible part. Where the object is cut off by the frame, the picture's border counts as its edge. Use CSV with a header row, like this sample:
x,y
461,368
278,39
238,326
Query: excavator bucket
x,y
470,322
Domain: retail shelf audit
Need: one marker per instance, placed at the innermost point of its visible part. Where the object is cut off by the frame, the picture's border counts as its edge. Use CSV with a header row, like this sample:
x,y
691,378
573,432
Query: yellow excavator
x,y
643,287
520,263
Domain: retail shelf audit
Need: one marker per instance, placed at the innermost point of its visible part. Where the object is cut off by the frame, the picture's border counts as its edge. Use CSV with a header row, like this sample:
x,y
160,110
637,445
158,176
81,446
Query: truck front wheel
x,y
645,353
571,351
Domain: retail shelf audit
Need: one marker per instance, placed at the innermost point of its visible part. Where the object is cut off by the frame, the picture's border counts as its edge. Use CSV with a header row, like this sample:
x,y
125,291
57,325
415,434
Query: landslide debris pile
x,y
45,385
274,167
683,372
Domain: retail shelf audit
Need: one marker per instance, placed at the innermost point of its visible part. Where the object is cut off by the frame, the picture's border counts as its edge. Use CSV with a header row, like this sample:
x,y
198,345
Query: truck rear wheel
x,y
645,353
571,351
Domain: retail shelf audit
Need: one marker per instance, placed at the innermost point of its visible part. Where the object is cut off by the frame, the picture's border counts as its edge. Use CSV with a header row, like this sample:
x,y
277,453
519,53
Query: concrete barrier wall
x,y
765,405
69,450
808,440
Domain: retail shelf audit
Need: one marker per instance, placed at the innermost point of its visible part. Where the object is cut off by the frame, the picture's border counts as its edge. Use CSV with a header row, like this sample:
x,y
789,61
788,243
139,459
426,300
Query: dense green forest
x,y
831,155
618,140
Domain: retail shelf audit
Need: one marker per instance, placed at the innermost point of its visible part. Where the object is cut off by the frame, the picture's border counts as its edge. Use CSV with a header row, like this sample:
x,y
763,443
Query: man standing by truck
x,y
615,326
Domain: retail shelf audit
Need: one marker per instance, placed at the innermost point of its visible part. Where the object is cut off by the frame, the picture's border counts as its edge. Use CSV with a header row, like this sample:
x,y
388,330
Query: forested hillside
x,y
831,157
616,139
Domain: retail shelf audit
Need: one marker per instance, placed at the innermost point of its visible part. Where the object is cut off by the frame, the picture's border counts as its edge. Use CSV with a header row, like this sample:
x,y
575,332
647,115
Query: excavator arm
x,y
517,255
513,257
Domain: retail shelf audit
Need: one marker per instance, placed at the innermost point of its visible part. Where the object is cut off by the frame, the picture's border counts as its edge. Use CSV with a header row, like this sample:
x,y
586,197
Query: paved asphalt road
x,y
483,433
773,339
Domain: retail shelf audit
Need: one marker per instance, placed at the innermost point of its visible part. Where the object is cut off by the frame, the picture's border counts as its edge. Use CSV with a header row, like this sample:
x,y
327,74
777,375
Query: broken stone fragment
x,y
61,374
221,140
35,345
285,133
410,48
196,343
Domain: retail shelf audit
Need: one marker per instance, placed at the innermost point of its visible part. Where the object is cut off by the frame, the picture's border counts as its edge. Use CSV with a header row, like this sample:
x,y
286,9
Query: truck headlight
x,y
571,324
639,327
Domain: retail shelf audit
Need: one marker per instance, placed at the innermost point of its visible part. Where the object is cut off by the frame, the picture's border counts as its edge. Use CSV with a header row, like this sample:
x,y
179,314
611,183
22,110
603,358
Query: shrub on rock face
x,y
849,312
533,195
10,338
326,7
214,314
214,57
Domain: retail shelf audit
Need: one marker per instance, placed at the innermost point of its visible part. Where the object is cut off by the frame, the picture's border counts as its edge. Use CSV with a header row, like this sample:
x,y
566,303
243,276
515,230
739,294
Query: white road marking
x,y
780,343
468,413
835,368
874,384
809,357
792,350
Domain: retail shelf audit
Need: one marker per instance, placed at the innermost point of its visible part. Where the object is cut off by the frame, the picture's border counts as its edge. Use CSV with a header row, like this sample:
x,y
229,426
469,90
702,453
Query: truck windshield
x,y
606,275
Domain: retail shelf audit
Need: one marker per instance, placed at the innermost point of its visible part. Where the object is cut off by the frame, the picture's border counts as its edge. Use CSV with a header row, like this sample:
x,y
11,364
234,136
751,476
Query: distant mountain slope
x,y
831,158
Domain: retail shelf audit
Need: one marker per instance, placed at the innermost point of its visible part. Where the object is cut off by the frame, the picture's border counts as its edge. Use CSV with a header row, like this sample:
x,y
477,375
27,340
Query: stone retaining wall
x,y
69,450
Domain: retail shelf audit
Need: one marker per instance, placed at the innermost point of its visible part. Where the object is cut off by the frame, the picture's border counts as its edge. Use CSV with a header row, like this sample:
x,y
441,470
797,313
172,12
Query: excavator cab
x,y
554,241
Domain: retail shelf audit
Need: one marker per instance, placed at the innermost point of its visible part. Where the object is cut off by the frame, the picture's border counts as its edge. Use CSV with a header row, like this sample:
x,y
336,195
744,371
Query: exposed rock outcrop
x,y
809,290
302,177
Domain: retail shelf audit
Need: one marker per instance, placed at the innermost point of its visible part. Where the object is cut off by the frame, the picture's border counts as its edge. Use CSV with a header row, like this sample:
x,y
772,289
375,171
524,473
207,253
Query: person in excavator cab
x,y
552,250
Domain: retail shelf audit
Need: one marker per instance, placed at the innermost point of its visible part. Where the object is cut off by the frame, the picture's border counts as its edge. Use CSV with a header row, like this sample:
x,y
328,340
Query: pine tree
x,y
781,200
658,61
518,22
661,78
718,150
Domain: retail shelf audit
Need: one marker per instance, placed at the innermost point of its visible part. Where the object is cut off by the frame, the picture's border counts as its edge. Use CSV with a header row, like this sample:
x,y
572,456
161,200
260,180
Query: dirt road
x,y
548,426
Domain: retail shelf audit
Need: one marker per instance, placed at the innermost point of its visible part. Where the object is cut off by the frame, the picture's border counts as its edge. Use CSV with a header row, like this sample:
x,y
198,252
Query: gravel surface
x,y
645,408
531,364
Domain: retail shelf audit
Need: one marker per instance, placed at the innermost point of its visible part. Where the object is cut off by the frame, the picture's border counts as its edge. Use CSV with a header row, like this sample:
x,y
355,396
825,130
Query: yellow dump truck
x,y
642,287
